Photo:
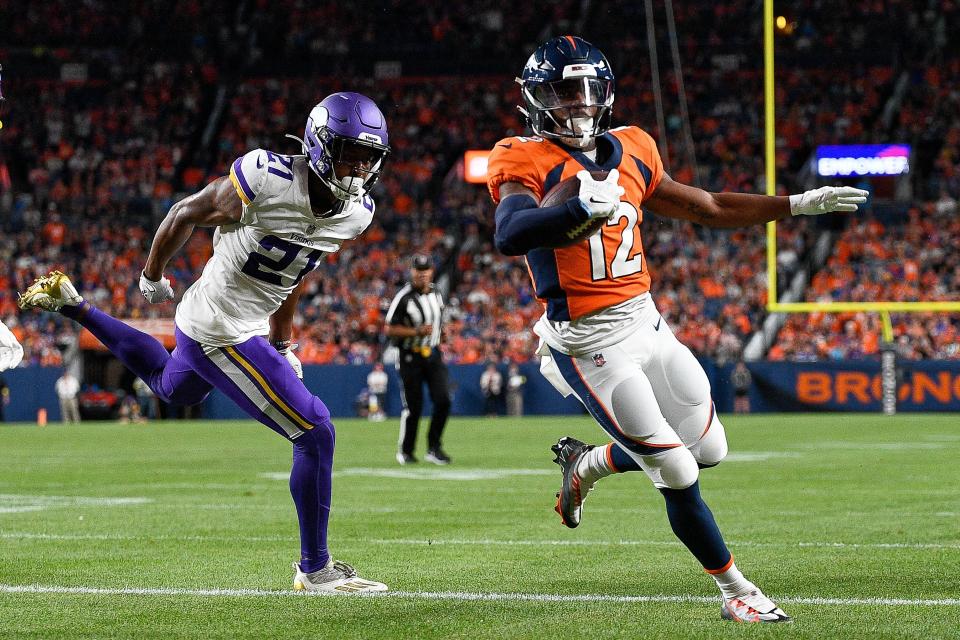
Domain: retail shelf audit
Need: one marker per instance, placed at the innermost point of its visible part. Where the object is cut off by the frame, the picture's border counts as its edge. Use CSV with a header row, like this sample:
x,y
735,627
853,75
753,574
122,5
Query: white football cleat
x,y
337,577
51,292
752,606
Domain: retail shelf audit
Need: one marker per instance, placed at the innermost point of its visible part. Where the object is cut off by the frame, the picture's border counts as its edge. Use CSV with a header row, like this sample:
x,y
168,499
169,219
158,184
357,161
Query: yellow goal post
x,y
888,359
773,304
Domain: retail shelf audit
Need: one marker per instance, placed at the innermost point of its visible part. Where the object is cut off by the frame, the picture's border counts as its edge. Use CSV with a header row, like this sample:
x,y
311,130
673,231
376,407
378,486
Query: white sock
x,y
595,464
732,583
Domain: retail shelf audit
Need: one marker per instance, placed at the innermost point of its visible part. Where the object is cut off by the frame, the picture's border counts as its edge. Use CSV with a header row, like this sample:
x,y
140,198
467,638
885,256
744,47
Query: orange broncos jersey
x,y
609,267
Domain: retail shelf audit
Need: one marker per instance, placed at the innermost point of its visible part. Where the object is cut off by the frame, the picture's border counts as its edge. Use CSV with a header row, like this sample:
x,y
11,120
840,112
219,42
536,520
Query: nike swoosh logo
x,y
656,327
506,146
598,201
259,162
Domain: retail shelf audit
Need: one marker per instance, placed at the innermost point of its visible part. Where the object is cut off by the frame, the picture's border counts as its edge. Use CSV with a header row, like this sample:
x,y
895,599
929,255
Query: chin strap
x,y
338,191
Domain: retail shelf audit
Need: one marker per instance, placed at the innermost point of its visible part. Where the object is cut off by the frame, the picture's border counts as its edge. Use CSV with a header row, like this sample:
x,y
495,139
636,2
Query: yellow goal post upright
x,y
888,360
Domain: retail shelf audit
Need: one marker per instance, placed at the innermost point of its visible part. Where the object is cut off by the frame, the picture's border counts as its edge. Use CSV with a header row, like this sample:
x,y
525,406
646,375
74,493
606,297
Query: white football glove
x,y
155,292
601,198
11,353
294,361
827,199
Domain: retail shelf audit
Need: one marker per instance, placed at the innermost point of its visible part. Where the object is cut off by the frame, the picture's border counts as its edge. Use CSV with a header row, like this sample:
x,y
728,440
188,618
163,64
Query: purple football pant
x,y
261,382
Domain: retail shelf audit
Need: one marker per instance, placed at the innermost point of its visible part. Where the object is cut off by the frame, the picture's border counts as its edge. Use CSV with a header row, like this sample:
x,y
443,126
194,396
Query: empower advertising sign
x,y
858,160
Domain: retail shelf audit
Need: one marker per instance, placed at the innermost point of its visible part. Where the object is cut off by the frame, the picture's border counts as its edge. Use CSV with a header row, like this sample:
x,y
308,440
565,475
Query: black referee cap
x,y
422,262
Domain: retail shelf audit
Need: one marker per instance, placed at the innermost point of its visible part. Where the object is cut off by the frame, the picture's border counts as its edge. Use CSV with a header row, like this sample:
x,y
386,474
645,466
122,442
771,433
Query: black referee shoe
x,y
437,456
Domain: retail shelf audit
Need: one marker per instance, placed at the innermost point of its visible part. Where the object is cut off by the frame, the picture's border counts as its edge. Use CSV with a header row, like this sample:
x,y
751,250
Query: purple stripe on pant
x,y
187,376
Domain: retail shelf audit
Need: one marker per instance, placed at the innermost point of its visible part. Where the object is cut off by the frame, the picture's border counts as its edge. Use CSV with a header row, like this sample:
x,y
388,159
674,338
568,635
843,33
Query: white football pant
x,y
650,394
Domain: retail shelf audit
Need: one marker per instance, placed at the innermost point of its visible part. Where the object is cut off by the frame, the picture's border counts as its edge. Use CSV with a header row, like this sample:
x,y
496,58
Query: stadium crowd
x,y
89,166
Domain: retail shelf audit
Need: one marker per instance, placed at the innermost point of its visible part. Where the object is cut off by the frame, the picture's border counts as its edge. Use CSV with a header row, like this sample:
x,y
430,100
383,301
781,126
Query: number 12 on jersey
x,y
622,264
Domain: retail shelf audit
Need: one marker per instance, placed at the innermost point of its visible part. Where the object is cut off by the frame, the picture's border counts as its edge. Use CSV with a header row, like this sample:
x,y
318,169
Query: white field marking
x,y
942,437
426,473
758,456
467,596
947,514
881,446
241,504
275,475
20,503
16,535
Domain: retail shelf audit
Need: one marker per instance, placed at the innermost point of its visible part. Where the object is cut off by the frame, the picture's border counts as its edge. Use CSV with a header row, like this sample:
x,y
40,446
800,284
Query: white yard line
x,y
467,596
491,542
22,503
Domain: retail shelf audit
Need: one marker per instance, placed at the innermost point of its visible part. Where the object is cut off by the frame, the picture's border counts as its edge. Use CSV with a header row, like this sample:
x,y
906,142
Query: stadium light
x,y
475,166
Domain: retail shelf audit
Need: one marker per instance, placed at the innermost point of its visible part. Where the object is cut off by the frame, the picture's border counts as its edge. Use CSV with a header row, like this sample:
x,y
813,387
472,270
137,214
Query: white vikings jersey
x,y
258,261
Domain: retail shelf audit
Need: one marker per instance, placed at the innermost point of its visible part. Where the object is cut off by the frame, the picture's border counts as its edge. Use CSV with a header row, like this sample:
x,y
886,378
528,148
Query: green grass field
x,y
187,530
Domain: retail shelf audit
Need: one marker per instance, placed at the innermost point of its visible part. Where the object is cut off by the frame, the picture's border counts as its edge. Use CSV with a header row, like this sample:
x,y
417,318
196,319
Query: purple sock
x,y
310,486
141,353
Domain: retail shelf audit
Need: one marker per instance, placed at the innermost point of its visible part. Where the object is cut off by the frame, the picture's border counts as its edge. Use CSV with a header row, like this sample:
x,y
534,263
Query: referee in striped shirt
x,y
414,324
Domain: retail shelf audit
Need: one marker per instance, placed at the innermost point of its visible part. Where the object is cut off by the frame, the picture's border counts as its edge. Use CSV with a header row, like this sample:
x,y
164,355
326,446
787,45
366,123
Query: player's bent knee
x,y
673,469
317,440
711,449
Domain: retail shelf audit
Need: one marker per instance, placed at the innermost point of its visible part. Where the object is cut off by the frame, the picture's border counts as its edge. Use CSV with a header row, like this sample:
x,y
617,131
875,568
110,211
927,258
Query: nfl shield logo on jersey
x,y
311,229
599,360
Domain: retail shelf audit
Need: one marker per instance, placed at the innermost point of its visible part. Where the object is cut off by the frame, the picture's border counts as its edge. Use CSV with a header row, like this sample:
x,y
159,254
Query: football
x,y
563,191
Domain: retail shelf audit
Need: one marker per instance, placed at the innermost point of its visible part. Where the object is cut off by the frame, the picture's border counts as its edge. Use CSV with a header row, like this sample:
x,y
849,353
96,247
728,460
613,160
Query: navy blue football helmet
x,y
567,87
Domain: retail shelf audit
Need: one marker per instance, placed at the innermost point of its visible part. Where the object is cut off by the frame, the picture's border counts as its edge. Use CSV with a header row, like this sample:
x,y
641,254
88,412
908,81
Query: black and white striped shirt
x,y
410,308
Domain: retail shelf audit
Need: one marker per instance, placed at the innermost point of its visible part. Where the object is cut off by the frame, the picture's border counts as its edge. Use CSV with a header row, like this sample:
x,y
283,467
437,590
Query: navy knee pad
x,y
317,440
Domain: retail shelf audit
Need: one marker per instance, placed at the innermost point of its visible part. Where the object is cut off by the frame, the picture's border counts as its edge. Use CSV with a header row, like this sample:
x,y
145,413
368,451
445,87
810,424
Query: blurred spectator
x,y
4,397
516,382
491,385
130,411
377,381
741,379
146,399
67,389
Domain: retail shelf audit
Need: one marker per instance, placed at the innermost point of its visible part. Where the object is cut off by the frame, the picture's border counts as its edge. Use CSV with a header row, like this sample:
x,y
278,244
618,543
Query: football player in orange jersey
x,y
602,338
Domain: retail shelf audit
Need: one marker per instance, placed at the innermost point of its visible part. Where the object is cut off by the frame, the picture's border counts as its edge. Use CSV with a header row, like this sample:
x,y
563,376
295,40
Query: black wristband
x,y
281,345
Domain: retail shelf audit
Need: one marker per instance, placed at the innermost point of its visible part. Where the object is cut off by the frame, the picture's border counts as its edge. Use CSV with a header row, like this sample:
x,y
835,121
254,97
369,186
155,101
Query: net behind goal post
x,y
888,375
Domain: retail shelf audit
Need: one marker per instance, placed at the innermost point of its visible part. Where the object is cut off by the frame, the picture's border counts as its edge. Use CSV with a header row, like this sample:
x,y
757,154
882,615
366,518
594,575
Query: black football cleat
x,y
573,490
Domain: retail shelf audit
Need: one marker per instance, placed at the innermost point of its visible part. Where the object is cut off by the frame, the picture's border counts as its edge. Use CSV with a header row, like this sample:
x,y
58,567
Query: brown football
x,y
563,191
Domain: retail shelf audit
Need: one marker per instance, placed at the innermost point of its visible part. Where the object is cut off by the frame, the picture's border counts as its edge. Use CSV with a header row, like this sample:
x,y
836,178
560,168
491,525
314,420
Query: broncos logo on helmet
x,y
567,88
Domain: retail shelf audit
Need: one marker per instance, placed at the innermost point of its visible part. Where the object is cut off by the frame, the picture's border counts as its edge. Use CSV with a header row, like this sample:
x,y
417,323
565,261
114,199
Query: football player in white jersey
x,y
277,216
11,353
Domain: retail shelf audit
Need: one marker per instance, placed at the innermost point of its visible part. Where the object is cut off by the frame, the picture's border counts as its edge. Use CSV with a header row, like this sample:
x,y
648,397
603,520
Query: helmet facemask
x,y
348,166
573,110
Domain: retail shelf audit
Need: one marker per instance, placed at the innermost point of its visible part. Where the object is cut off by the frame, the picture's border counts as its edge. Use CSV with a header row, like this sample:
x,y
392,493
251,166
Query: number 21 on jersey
x,y
623,262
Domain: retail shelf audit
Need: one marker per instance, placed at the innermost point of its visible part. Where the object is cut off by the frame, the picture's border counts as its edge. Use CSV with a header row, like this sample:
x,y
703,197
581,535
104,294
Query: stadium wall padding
x,y
339,386
777,387
854,385
30,389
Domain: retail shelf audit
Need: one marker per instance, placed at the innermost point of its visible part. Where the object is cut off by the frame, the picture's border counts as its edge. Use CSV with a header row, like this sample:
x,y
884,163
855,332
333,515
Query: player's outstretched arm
x,y
522,225
725,210
214,205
